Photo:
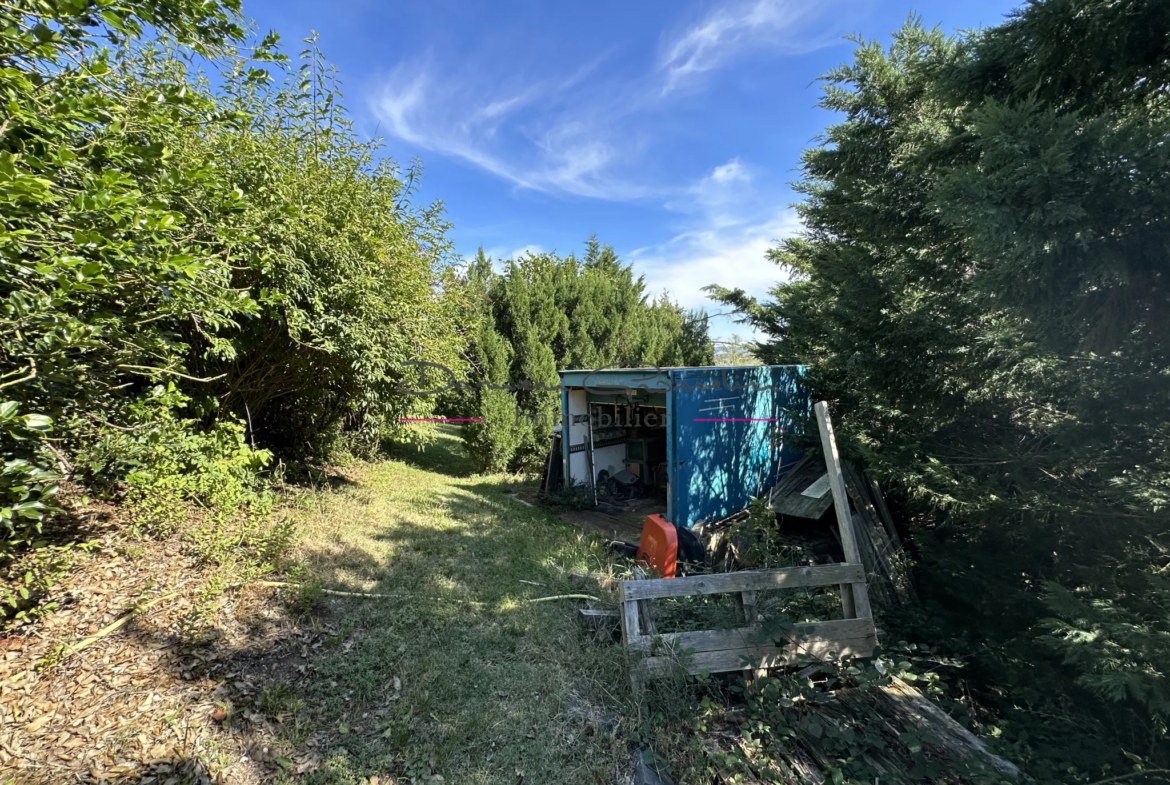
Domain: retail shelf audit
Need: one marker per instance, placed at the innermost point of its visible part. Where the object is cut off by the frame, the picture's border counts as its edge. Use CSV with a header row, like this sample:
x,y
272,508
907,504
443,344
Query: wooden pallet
x,y
747,647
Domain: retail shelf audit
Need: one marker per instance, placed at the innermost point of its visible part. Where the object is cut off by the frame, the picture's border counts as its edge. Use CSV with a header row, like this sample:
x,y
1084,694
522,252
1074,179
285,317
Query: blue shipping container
x,y
727,429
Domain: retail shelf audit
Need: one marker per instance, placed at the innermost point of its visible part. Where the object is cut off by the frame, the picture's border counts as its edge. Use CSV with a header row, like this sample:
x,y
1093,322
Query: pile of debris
x,y
804,493
900,713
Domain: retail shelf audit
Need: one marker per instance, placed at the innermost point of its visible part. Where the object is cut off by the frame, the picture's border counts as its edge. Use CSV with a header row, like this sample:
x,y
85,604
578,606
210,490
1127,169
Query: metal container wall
x,y
730,433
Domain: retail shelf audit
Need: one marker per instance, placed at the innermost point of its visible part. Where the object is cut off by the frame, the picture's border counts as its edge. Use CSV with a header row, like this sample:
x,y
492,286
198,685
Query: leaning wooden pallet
x,y
748,647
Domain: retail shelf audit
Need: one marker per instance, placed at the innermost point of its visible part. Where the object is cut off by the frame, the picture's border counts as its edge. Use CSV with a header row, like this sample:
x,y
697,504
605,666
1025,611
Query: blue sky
x,y
671,130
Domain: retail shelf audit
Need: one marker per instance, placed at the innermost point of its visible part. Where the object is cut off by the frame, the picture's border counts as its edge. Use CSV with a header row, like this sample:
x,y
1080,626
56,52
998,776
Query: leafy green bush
x,y
96,266
26,580
492,441
346,275
27,491
170,466
184,254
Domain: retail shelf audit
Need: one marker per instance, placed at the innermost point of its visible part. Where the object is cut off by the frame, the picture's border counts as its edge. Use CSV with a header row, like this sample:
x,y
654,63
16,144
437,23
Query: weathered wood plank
x,y
896,557
748,580
859,492
837,484
645,612
749,607
887,547
856,599
942,729
790,500
753,637
630,627
755,657
878,583
883,510
749,610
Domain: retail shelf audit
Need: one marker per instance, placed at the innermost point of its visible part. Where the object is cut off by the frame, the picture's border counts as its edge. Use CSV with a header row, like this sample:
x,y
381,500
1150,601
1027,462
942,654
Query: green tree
x,y
97,266
343,269
493,440
181,253
981,287
560,312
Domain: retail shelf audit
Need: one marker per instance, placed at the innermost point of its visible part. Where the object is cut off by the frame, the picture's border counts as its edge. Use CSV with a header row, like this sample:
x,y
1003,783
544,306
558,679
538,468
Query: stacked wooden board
x,y
886,564
802,494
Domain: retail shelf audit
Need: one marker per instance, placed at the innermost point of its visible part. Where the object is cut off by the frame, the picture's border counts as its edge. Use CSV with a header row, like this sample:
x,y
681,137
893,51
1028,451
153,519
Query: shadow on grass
x,y
444,666
307,476
445,455
454,671
449,671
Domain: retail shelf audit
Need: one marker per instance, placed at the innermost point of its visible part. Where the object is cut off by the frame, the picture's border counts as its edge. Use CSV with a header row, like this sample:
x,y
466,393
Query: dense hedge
x,y
200,264
982,288
543,313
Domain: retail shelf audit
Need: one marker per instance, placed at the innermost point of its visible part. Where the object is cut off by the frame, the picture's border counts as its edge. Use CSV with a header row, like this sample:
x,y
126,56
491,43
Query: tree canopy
x,y
554,313
981,286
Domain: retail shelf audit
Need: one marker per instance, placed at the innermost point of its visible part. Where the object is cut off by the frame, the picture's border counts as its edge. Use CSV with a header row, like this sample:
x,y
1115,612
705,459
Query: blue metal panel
x,y
671,478
728,436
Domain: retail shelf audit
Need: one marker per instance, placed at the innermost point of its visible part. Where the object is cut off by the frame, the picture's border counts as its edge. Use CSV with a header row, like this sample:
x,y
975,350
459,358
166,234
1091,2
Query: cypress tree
x,y
981,287
491,441
554,313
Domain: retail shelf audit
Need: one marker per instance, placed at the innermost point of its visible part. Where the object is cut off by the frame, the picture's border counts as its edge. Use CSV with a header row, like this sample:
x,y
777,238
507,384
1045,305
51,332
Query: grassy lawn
x,y
455,674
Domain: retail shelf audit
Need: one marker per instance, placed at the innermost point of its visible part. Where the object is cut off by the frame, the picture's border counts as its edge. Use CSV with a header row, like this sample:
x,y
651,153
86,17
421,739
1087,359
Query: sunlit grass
x,y
492,688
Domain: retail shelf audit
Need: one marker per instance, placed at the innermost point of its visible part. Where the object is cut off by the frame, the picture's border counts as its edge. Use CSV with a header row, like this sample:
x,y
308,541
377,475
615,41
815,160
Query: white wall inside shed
x,y
577,472
612,459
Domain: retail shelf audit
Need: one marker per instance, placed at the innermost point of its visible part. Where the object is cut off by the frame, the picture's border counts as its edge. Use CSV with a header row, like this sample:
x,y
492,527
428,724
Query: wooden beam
x,y
884,511
756,657
941,729
631,630
854,598
749,607
788,479
749,610
753,636
753,580
645,611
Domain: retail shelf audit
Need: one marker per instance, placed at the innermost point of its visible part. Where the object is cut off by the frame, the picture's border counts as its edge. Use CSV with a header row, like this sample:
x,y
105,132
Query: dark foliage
x,y
982,289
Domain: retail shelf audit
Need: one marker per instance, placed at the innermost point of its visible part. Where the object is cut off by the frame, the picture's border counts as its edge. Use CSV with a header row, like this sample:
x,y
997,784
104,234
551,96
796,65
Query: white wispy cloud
x,y
562,146
734,29
582,132
723,238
